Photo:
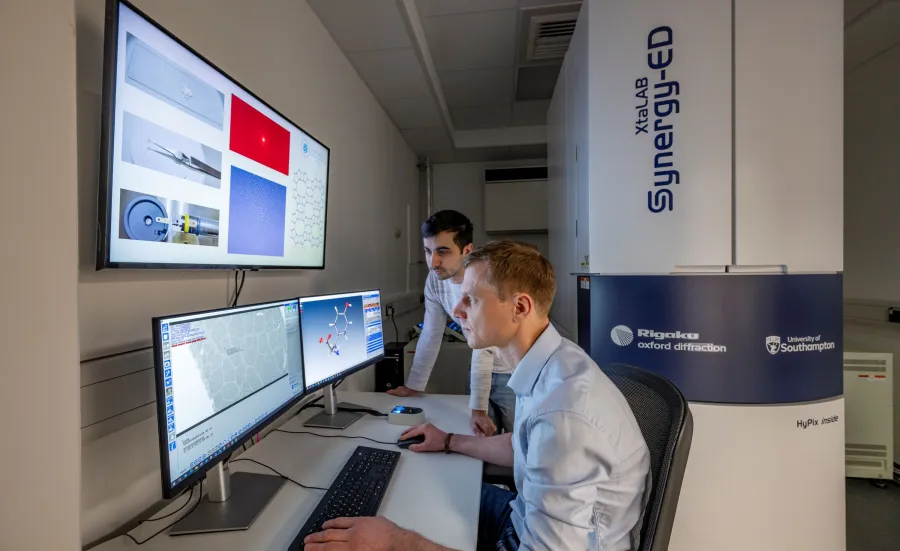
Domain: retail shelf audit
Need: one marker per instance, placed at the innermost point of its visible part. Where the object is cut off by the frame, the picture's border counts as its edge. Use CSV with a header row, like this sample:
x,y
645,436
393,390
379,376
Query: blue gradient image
x,y
257,215
332,344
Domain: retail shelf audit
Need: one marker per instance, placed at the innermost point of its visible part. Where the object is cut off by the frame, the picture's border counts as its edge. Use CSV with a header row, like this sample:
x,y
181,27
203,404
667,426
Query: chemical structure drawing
x,y
340,328
308,218
333,348
345,324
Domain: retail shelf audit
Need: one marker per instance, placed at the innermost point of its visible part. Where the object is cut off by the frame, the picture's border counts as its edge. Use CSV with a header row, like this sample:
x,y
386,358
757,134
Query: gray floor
x,y
873,516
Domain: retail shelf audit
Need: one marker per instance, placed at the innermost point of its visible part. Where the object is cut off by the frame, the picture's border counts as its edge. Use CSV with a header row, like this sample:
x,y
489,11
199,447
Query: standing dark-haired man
x,y
447,236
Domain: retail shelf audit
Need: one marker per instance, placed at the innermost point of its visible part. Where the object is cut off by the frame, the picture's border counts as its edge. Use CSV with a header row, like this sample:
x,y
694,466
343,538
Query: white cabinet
x,y
577,150
568,200
560,201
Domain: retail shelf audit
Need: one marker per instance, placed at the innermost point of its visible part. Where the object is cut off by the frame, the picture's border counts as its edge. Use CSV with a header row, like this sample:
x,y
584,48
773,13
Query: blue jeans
x,y
502,404
495,528
502,408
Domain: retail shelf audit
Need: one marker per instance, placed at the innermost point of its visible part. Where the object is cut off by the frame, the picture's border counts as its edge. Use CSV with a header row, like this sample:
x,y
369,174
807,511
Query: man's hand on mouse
x,y
434,438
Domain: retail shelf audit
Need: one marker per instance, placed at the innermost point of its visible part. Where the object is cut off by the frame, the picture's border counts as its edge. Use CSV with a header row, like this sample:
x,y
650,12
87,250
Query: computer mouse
x,y
405,444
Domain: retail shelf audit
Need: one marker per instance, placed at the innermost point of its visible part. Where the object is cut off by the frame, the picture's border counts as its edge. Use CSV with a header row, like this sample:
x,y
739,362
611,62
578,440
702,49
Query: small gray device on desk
x,y
406,415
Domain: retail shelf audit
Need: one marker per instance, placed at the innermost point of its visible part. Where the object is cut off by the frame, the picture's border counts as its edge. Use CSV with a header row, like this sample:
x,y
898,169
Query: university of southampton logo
x,y
622,335
773,344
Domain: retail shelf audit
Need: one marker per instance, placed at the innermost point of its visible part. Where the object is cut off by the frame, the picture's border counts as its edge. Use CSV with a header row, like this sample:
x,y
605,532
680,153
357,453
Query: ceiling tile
x,y
855,8
477,117
426,141
419,112
472,40
477,87
444,156
536,82
530,113
391,73
428,8
544,3
873,33
536,151
482,154
362,26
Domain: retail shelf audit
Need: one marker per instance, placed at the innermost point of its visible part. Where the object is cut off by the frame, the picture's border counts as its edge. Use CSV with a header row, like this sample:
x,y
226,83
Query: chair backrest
x,y
666,423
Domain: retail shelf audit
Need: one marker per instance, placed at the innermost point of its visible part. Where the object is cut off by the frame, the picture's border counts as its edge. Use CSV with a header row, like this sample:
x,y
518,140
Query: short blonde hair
x,y
514,267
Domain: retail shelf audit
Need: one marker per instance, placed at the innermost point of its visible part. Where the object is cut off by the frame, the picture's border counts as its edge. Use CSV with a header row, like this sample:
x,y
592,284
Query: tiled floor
x,y
873,516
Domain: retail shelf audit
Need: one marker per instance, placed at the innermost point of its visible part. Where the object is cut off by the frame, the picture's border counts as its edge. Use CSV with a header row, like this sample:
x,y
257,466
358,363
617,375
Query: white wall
x,y
871,193
460,186
871,196
39,468
284,54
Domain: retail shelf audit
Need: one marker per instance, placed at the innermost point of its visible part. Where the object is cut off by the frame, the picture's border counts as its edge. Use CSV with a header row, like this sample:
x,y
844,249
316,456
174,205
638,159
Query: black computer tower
x,y
389,371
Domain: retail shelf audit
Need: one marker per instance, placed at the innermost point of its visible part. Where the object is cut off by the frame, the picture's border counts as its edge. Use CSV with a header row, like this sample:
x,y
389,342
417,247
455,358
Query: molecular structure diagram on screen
x,y
308,218
341,332
333,348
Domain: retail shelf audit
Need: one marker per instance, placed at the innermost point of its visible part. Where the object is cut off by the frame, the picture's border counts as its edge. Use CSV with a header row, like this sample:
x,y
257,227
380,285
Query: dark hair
x,y
515,267
450,221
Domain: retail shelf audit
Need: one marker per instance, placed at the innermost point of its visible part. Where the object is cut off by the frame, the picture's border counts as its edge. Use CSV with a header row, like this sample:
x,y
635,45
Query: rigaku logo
x,y
662,335
622,335
652,339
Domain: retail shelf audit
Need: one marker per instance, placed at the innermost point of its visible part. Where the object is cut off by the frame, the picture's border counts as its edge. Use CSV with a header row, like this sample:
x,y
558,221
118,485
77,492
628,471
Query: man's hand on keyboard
x,y
434,438
359,534
367,534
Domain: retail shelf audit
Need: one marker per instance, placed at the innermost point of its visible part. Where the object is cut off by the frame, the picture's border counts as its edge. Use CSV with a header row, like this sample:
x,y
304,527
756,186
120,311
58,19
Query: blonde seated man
x,y
579,459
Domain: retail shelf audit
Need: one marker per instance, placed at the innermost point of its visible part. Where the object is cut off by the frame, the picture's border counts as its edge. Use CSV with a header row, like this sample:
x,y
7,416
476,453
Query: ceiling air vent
x,y
549,36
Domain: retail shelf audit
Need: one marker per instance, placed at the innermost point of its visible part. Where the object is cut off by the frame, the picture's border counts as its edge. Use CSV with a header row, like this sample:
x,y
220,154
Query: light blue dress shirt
x,y
580,462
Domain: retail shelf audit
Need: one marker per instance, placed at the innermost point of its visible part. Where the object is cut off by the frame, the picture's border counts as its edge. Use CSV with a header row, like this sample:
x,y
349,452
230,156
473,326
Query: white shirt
x,y
580,462
441,297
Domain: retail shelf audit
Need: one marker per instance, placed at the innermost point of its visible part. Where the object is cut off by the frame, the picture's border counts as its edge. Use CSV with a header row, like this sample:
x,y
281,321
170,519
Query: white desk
x,y
434,494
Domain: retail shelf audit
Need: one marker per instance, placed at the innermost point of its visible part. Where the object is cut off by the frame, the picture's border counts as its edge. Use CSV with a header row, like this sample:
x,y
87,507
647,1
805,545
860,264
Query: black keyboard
x,y
356,492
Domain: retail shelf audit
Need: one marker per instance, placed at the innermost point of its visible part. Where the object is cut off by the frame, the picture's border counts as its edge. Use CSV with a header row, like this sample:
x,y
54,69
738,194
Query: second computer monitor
x,y
342,334
224,374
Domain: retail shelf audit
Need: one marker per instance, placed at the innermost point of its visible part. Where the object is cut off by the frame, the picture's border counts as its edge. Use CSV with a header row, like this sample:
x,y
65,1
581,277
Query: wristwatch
x,y
447,442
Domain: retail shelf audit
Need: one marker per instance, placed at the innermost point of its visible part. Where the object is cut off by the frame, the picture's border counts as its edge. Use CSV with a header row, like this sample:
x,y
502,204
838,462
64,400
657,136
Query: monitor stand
x,y
333,417
232,502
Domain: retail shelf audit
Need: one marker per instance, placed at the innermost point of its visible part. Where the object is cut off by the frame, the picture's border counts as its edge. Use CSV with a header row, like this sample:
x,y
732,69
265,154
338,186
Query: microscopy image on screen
x,y
258,137
151,146
152,218
159,76
256,215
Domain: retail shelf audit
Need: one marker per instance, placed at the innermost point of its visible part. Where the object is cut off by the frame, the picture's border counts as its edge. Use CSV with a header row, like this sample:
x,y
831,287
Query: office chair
x,y
666,423
497,475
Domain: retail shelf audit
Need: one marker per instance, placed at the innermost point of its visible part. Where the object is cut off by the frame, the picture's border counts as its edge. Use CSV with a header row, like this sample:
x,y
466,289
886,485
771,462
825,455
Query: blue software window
x,y
374,331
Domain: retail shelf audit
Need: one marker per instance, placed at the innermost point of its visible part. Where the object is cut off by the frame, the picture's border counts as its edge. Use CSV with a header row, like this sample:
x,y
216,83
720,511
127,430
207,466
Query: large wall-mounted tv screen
x,y
196,170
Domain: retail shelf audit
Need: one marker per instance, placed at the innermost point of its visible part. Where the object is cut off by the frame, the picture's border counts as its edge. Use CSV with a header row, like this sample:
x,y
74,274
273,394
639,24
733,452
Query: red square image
x,y
258,137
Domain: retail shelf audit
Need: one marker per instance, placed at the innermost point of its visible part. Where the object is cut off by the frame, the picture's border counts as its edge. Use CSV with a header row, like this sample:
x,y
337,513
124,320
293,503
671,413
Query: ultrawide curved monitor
x,y
191,157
